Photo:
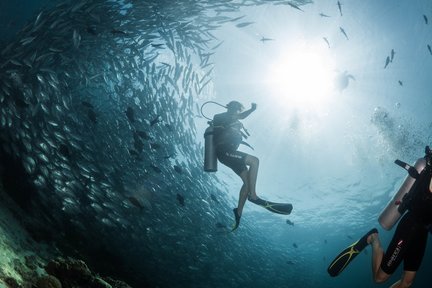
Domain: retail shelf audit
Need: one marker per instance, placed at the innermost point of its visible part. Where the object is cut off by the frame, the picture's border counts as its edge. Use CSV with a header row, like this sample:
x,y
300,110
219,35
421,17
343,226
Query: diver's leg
x,y
244,191
379,276
406,280
253,163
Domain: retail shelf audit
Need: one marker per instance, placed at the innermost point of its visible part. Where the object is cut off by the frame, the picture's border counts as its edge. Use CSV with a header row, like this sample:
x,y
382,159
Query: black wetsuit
x,y
410,238
228,137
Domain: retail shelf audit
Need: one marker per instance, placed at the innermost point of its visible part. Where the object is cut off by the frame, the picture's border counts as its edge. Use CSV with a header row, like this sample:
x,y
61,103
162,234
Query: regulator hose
x,y
208,102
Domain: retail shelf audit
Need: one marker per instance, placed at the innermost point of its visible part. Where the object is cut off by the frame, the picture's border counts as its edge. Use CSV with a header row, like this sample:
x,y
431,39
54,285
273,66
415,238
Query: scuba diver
x,y
410,238
412,202
227,133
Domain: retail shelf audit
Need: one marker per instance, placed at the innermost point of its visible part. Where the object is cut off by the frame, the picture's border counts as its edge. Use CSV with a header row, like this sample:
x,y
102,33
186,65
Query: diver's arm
x,y
246,113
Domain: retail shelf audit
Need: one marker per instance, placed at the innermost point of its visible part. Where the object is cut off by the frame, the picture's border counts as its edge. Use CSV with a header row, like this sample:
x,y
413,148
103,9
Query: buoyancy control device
x,y
399,204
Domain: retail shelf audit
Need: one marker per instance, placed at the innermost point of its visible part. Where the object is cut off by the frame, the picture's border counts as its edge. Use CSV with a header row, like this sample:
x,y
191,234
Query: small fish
x,y
118,32
143,135
325,241
343,32
91,30
264,39
138,144
429,48
340,7
324,15
387,62
167,156
289,262
178,169
130,114
289,222
295,245
244,24
157,45
155,120
294,6
21,103
425,19
155,168
155,146
134,201
87,104
220,225
400,83
213,197
92,115
392,54
64,150
180,199
326,40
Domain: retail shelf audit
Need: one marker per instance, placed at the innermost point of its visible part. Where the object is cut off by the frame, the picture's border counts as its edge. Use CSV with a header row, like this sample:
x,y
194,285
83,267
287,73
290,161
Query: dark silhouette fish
x,y
178,169
213,197
326,40
138,144
134,201
289,222
343,32
155,168
294,6
340,7
143,135
429,48
155,120
87,104
387,62
425,19
244,24
392,54
264,39
64,150
155,146
289,262
295,245
400,83
91,30
324,15
118,32
130,114
92,115
180,199
220,225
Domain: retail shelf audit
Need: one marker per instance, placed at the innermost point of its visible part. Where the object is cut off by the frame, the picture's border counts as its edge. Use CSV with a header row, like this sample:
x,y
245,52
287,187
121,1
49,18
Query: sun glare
x,y
302,77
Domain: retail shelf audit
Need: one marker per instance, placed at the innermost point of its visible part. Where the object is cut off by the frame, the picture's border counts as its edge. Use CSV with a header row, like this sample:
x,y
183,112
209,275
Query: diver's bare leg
x,y
244,191
379,276
253,163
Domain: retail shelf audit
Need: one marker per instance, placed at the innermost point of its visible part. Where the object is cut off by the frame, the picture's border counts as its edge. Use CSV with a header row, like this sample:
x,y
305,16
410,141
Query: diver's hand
x,y
253,106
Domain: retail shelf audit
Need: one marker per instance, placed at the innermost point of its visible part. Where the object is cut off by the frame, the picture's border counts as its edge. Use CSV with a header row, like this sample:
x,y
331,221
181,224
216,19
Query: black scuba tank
x,y
210,159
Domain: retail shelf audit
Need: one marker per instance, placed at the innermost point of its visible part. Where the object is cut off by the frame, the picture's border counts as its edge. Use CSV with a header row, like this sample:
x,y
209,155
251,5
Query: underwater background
x,y
102,133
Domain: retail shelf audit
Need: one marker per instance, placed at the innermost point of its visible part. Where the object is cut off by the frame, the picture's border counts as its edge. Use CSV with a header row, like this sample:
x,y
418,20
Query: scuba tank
x,y
210,159
401,200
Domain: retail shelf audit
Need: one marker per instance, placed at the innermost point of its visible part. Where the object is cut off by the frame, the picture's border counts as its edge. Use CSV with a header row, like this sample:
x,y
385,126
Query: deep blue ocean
x,y
101,107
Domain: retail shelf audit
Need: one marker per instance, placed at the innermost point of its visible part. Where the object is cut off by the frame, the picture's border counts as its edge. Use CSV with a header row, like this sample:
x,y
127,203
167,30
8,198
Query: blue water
x,y
328,150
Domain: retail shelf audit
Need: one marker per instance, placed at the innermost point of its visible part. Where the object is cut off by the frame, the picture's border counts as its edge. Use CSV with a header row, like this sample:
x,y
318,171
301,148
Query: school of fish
x,y
98,103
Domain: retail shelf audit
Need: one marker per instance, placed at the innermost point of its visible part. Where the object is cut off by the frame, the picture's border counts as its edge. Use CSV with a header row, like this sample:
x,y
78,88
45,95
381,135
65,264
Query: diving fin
x,y
237,220
348,254
279,208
